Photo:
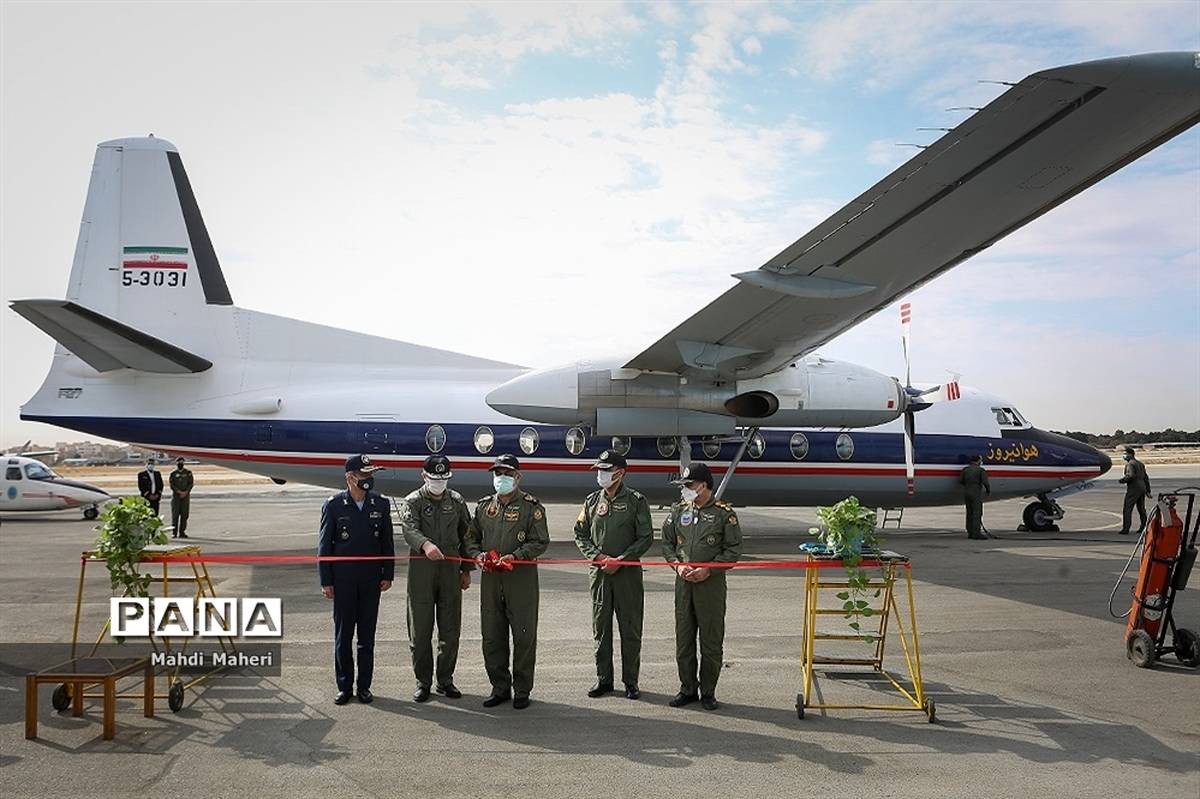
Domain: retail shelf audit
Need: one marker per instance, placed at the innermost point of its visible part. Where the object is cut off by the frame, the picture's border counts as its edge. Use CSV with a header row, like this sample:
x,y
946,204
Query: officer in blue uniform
x,y
357,521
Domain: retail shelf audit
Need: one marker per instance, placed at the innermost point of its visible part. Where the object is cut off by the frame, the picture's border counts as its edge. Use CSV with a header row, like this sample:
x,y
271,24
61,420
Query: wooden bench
x,y
73,675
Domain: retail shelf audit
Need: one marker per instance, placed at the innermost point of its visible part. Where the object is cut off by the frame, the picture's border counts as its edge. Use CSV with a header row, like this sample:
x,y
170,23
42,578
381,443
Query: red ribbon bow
x,y
492,563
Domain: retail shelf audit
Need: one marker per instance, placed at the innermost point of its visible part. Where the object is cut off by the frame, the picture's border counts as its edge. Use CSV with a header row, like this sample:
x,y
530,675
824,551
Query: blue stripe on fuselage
x,y
1036,448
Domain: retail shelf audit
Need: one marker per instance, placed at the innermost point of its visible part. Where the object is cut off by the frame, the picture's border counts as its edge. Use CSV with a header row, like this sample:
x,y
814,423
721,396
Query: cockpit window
x,y
1008,417
36,471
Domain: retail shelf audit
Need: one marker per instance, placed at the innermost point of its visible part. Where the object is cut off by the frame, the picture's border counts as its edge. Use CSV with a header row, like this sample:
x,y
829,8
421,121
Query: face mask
x,y
435,487
150,467
689,494
504,483
366,484
605,479
1126,457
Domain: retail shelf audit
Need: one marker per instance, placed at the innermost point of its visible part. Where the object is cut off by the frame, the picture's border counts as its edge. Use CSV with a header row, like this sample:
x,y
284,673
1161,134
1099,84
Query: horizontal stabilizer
x,y
104,343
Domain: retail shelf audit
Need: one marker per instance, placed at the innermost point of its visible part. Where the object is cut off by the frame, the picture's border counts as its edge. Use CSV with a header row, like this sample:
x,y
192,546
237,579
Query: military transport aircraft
x,y
153,351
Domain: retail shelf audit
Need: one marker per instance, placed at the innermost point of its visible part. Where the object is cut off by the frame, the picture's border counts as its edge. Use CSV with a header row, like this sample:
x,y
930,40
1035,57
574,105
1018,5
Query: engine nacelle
x,y
814,392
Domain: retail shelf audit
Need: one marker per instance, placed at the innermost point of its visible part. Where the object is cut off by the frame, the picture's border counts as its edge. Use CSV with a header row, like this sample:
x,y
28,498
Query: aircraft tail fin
x,y
144,258
105,344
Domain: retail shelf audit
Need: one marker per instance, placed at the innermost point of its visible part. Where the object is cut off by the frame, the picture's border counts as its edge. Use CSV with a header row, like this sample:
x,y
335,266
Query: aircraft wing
x,y
1044,140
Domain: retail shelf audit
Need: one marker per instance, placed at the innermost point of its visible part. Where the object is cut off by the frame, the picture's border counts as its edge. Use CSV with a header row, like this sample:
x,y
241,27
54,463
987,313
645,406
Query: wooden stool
x,y
76,673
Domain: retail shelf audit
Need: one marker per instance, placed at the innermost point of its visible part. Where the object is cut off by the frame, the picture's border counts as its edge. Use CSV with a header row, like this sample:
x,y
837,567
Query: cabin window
x,y
799,446
667,446
12,473
576,440
622,444
484,440
528,440
711,447
757,445
435,438
844,446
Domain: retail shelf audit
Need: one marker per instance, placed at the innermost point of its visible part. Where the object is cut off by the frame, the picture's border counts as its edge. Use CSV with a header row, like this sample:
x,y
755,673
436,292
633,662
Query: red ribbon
x,y
493,558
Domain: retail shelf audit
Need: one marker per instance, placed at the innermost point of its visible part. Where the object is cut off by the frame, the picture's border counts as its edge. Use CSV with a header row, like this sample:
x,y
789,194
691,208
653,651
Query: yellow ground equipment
x,y
823,577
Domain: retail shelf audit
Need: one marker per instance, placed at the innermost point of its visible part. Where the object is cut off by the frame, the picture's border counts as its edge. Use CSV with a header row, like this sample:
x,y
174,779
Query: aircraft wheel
x,y
175,697
91,513
1140,648
60,700
1038,518
1187,647
799,706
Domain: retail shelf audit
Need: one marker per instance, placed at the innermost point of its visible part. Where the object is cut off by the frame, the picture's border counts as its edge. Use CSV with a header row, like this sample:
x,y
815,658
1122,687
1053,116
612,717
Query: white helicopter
x,y
152,350
29,485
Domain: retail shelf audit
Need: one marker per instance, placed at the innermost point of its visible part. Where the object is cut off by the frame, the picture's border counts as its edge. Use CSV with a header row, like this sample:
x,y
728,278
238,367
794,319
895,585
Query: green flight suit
x,y
975,484
701,535
1137,488
618,526
508,601
181,507
434,589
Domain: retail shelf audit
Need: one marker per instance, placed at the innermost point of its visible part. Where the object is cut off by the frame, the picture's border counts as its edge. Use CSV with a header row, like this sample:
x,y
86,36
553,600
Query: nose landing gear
x,y
1040,516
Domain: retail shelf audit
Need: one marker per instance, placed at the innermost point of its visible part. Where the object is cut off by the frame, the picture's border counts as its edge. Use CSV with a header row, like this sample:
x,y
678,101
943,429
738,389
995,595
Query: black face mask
x,y
366,484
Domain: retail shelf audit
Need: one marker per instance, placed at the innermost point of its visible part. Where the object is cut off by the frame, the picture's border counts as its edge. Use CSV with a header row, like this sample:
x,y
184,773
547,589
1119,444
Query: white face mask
x,y
688,494
435,487
604,478
504,484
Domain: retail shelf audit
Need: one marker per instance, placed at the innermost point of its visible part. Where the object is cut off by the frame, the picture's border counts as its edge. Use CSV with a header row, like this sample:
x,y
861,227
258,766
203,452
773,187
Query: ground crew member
x,y
512,525
356,521
700,529
150,485
1137,488
435,520
975,484
181,498
613,527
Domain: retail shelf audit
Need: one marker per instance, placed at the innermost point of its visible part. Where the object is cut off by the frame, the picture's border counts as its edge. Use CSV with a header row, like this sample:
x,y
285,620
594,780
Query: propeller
x,y
913,401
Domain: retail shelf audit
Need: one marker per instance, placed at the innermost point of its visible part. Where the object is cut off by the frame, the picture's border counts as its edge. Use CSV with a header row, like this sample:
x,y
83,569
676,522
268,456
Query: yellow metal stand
x,y
199,578
821,577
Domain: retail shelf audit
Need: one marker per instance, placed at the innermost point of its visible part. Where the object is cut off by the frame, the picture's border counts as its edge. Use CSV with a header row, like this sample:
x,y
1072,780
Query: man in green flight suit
x,y
613,528
435,521
1137,488
700,529
181,498
511,524
975,484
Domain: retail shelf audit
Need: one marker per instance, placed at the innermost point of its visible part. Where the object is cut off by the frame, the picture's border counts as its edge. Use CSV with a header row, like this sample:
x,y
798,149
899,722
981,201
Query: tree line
x,y
1120,437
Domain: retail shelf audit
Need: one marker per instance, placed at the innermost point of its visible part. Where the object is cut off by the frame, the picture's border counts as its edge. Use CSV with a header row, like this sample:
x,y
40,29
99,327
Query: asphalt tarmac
x,y
1034,693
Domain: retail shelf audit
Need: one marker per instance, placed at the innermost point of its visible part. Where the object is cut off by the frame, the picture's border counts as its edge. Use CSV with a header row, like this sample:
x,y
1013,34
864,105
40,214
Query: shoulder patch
x,y
412,495
723,505
457,497
636,494
533,499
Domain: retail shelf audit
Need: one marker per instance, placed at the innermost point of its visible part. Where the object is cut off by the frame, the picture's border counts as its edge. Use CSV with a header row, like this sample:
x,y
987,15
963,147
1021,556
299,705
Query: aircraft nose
x,y
1105,461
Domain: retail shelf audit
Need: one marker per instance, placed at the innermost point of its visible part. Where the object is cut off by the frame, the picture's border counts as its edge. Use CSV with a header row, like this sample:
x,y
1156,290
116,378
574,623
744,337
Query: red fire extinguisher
x,y
1167,559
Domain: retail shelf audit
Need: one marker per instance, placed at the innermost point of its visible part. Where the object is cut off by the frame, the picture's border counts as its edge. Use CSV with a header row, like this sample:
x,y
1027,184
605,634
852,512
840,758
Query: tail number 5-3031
x,y
153,277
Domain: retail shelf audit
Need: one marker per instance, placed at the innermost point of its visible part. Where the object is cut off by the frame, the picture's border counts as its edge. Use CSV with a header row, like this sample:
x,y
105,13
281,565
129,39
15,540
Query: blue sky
x,y
553,163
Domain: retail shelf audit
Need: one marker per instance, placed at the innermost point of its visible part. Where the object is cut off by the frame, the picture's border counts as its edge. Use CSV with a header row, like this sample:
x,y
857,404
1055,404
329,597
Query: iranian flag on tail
x,y
154,258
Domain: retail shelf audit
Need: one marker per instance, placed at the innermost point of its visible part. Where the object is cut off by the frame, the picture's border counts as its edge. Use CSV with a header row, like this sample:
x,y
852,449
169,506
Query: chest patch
x,y
428,510
537,514
447,509
620,507
512,515
493,510
345,535
685,518
602,509
711,540
521,536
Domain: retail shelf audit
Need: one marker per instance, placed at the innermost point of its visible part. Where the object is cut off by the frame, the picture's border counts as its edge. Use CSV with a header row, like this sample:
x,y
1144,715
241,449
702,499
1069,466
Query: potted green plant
x,y
847,531
126,528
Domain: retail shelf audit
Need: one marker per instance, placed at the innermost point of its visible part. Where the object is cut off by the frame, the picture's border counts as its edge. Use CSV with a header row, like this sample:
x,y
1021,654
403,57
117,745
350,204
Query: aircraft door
x,y
12,476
